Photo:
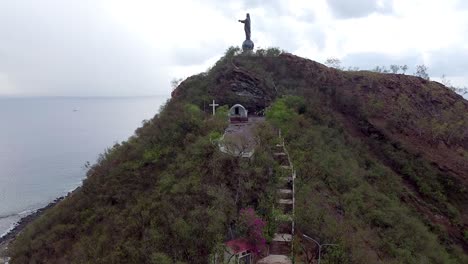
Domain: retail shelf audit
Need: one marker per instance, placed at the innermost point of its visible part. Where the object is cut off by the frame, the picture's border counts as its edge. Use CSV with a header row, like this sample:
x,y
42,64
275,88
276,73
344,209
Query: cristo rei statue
x,y
248,44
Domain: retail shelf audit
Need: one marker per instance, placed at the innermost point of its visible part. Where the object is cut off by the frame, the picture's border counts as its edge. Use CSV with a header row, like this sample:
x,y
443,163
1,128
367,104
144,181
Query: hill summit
x,y
381,161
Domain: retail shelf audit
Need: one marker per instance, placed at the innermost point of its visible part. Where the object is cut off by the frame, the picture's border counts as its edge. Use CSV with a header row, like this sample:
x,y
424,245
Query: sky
x,y
136,47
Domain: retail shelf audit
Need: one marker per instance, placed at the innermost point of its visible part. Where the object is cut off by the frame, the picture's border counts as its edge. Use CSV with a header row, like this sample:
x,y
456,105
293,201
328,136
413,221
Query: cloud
x,y
231,8
6,87
121,47
359,8
451,61
196,54
55,47
462,4
272,8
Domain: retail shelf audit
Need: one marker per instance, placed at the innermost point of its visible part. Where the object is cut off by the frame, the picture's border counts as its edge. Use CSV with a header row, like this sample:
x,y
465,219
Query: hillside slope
x,y
382,162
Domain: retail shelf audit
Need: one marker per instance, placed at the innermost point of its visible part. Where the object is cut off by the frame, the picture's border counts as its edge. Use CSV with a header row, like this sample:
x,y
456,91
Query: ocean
x,y
45,143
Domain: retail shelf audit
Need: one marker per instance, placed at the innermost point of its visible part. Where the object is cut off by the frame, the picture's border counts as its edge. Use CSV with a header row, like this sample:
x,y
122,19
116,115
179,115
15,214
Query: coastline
x,y
22,223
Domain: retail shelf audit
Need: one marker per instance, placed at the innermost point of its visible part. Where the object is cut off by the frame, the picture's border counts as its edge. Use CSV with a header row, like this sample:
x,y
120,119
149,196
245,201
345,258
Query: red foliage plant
x,y
251,226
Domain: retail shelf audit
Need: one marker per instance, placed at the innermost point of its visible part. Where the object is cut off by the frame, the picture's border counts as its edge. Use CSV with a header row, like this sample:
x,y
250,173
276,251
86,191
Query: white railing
x,y
293,176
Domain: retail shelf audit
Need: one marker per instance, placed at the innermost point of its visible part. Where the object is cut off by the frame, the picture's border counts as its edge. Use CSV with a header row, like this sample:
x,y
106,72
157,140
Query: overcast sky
x,y
136,47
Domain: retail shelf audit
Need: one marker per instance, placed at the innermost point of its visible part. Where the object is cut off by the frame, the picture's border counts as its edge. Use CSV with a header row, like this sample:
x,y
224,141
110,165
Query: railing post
x,y
293,199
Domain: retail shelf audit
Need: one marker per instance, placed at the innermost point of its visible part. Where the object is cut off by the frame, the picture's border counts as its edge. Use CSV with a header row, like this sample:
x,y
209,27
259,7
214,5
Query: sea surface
x,y
45,143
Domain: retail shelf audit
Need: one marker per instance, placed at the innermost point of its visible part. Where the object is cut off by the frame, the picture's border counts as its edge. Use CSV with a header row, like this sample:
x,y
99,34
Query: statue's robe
x,y
246,27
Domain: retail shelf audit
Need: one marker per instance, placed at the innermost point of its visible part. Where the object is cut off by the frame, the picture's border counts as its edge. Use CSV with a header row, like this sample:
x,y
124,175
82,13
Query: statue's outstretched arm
x,y
242,21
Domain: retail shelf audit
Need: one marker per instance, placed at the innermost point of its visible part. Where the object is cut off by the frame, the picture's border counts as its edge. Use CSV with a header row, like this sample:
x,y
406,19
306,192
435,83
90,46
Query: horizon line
x,y
82,96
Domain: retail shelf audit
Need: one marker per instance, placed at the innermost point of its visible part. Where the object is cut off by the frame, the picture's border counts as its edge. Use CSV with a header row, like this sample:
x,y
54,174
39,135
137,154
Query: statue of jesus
x,y
246,22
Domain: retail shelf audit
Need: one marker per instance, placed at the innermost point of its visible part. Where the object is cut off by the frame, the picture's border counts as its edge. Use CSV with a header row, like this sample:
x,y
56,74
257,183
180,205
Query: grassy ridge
x,y
381,161
166,195
345,195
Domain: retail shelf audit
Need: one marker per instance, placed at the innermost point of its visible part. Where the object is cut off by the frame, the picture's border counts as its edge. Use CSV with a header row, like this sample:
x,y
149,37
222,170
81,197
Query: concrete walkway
x,y
281,246
275,259
239,140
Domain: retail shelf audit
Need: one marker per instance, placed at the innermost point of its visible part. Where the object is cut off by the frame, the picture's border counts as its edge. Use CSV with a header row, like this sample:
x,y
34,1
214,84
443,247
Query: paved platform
x,y
239,138
275,259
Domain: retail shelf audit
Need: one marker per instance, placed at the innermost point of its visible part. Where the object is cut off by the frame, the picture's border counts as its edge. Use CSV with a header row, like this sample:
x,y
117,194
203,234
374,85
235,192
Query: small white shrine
x,y
238,113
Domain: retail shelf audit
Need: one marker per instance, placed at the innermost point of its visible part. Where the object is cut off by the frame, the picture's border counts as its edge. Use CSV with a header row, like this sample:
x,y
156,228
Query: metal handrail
x,y
319,245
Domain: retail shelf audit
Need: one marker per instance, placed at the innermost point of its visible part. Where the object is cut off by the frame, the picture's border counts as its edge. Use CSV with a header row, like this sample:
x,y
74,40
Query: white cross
x,y
214,107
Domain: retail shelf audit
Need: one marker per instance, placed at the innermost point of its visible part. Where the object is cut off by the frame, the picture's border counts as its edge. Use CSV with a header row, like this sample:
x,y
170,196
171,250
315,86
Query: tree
x,y
394,68
284,110
274,52
421,71
232,51
404,68
353,68
334,63
447,83
175,82
251,226
459,90
377,69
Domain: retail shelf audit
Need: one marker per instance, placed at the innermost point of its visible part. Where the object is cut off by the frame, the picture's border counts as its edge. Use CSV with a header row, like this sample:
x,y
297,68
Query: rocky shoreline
x,y
10,236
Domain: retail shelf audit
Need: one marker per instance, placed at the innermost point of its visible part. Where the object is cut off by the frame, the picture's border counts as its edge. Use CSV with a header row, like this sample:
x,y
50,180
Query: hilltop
x,y
381,159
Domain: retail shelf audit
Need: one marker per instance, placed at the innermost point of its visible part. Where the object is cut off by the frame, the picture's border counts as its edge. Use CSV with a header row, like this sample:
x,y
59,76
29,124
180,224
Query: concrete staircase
x,y
281,245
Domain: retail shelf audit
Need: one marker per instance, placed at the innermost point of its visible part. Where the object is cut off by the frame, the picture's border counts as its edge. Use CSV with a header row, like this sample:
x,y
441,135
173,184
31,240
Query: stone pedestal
x,y
247,45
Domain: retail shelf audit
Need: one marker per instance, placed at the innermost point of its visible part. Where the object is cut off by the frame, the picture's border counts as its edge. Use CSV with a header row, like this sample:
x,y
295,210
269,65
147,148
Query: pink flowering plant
x,y
251,226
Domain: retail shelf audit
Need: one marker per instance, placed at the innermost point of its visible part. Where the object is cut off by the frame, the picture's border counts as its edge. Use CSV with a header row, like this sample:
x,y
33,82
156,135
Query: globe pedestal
x,y
247,45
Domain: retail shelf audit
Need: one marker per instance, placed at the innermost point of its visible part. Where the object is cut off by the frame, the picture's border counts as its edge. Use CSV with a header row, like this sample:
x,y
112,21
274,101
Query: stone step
x,y
279,148
285,191
280,248
285,201
285,208
285,218
279,154
282,160
284,227
282,237
289,178
285,183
